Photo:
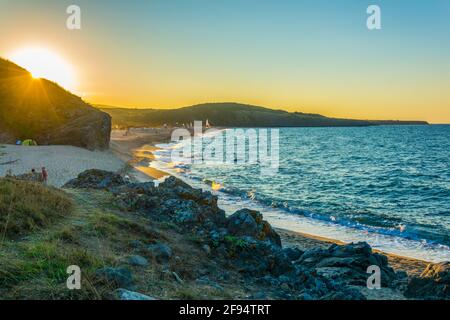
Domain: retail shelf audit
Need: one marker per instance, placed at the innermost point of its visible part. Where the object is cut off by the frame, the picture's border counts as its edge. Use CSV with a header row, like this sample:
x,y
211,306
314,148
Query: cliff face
x,y
41,110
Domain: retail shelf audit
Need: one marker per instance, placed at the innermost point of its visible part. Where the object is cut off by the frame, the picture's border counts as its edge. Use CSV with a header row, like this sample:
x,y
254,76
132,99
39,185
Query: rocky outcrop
x,y
244,243
433,283
96,179
247,222
43,111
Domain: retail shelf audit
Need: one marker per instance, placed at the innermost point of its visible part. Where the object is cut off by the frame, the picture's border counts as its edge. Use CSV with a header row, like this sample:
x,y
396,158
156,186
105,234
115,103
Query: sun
x,y
43,63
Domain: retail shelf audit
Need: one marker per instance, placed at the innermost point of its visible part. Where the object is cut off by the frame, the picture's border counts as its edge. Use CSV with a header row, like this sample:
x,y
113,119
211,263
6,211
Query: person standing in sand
x,y
44,175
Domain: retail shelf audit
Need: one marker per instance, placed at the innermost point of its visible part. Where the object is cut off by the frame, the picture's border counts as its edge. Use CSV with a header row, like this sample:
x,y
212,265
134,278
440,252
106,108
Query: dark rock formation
x,y
347,264
247,222
245,243
433,283
96,179
41,110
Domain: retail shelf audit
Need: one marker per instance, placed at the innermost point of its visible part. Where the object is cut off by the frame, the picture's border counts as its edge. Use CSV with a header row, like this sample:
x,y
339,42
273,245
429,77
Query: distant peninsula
x,y
231,114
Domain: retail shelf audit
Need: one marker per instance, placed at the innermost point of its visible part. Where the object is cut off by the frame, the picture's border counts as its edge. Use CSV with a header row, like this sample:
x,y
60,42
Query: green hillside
x,y
229,115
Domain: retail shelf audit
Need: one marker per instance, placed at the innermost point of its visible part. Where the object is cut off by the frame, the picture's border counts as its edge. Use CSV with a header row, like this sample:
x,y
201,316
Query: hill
x,y
41,110
231,115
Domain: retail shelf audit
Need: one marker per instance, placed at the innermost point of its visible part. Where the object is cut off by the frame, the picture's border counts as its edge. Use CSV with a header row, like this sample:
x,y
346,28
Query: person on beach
x,y
44,175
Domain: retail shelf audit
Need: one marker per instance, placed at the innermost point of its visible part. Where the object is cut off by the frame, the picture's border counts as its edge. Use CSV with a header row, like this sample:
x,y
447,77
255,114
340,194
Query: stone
x,y
293,253
247,222
96,179
206,249
124,294
161,252
432,284
348,264
138,261
120,277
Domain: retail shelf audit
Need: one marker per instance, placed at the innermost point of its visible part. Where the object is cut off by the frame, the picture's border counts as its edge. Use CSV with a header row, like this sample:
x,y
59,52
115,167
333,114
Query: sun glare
x,y
42,63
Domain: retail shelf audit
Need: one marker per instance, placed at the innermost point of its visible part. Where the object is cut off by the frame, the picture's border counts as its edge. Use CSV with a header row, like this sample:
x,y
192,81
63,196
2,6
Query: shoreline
x,y
139,147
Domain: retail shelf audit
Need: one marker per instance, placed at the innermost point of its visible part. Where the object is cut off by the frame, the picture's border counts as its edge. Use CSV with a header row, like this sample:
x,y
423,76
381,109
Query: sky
x,y
313,56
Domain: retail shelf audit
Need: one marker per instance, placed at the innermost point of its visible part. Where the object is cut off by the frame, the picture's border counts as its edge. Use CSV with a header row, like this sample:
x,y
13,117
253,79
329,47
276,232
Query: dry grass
x,y
25,207
94,235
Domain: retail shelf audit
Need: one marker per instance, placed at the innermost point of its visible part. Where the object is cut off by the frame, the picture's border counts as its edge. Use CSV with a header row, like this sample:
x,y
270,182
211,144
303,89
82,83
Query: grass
x,y
25,207
94,234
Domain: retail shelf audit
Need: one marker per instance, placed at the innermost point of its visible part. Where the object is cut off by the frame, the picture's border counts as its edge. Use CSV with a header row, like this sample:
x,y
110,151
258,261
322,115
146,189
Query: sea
x,y
386,185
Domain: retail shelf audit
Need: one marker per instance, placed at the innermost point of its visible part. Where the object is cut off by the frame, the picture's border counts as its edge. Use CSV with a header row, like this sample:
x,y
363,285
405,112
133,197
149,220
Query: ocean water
x,y
387,185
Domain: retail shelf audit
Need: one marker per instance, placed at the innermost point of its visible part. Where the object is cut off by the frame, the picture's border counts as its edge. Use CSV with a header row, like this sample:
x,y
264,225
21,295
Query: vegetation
x,y
41,110
93,234
25,207
228,115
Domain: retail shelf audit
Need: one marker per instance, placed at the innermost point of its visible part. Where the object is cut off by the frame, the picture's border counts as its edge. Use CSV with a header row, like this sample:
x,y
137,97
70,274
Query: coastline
x,y
137,148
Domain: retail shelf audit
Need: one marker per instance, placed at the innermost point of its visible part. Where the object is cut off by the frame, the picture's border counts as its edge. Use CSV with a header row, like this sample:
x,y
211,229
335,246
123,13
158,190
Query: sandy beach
x,y
135,148
63,163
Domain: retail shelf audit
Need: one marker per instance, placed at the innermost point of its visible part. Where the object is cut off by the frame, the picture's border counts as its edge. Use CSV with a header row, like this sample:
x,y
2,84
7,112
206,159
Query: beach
x,y
132,153
62,163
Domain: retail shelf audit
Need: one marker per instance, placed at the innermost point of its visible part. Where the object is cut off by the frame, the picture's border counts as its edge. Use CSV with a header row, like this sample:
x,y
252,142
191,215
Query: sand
x,y
63,163
136,149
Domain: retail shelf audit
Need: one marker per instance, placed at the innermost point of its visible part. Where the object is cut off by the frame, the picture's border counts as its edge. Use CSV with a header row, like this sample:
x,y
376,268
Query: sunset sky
x,y
310,56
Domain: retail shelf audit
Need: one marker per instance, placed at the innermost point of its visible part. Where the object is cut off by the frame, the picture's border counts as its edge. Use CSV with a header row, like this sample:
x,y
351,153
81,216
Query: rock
x,y
243,223
207,249
247,222
259,296
259,258
124,294
348,264
137,244
305,296
346,293
55,117
207,282
120,277
161,252
432,284
293,253
137,261
96,179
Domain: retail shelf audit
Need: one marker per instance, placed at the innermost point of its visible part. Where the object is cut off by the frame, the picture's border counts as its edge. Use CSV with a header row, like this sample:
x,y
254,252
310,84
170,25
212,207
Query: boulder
x,y
433,283
347,264
247,222
118,277
96,179
123,294
137,261
161,252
